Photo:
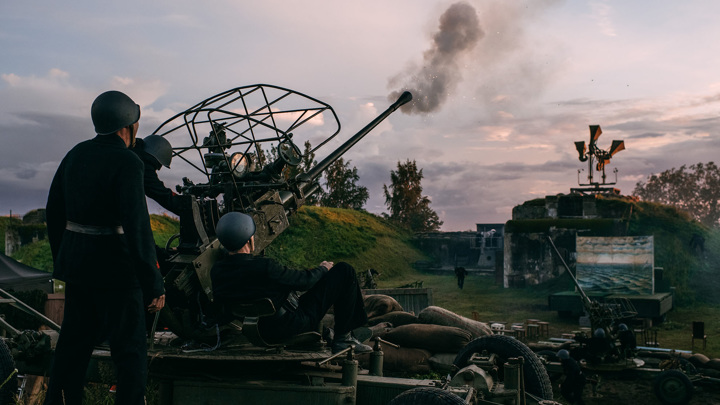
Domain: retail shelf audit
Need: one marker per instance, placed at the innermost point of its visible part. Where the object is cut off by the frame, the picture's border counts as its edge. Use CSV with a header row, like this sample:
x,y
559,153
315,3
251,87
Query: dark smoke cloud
x,y
459,31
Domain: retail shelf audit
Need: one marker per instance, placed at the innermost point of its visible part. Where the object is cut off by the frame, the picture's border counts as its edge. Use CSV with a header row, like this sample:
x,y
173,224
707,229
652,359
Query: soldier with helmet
x,y
628,342
242,277
572,387
155,151
103,249
595,348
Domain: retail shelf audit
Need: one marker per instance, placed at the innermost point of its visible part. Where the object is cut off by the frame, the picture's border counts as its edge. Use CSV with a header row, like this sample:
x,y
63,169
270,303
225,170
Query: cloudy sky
x,y
503,89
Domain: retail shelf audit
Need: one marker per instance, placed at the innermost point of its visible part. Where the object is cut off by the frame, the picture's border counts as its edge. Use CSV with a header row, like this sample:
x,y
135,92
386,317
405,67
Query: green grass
x,y
36,255
493,303
334,234
164,227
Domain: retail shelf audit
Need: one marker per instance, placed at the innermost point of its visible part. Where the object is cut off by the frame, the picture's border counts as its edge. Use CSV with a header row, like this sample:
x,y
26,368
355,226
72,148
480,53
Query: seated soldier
x,y
595,348
628,343
242,277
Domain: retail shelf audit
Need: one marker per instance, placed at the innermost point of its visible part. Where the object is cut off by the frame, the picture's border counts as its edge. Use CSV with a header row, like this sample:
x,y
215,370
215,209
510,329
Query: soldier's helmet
x,y
234,230
563,354
159,148
112,111
599,333
622,327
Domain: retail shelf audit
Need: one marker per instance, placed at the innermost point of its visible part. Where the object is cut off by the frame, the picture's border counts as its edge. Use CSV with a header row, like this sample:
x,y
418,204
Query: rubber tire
x,y
673,387
427,396
537,381
7,366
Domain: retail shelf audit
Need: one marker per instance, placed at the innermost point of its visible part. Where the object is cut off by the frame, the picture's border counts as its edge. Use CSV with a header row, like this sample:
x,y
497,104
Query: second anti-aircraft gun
x,y
226,139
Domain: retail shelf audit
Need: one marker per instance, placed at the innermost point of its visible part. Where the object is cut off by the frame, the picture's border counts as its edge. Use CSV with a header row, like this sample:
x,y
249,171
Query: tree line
x,y
694,189
406,203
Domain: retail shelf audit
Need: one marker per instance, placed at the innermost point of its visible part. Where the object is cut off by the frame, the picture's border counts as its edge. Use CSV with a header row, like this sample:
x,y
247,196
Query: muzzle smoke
x,y
459,31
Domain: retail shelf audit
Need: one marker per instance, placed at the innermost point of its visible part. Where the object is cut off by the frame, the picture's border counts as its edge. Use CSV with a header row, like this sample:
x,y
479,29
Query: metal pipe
x,y
317,170
584,296
25,307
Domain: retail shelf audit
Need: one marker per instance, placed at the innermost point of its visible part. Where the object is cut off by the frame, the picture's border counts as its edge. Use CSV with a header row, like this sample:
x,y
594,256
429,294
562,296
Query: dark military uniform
x,y
628,343
103,248
244,277
460,272
572,388
154,187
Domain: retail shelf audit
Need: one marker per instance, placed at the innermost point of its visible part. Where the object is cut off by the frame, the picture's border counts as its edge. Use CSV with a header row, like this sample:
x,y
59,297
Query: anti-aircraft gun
x,y
229,133
606,316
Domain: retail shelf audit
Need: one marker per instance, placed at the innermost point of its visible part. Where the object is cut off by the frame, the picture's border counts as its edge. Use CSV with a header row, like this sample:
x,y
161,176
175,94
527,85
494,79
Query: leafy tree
x,y
404,198
342,192
307,161
695,189
262,157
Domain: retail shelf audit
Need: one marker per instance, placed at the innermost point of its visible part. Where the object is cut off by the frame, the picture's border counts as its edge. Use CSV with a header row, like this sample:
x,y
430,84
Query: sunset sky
x,y
501,106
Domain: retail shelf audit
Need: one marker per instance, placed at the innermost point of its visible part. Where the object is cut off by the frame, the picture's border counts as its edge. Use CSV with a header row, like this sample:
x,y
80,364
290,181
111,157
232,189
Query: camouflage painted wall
x,y
616,265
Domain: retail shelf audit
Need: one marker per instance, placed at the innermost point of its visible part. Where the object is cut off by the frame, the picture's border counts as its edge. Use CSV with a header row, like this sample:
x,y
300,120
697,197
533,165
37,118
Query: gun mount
x,y
235,175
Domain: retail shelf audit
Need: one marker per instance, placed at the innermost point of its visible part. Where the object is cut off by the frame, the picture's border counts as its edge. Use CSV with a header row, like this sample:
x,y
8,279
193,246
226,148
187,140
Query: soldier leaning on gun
x,y
103,249
242,277
155,152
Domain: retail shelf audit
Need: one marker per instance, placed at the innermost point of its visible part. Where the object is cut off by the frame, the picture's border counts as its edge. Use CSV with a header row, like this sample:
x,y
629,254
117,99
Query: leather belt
x,y
94,229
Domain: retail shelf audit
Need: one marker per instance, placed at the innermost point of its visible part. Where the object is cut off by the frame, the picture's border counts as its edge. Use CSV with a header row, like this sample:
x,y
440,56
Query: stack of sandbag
x,y
379,304
435,333
441,316
705,365
406,359
434,338
396,318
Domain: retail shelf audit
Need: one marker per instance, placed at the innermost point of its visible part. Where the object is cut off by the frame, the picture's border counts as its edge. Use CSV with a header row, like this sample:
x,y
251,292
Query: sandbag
x,y
379,304
698,359
405,359
435,338
381,329
713,364
442,362
397,318
441,316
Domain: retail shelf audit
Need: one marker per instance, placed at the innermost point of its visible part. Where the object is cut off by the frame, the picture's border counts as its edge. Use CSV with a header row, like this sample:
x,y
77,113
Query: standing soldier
x,y
103,249
155,152
460,272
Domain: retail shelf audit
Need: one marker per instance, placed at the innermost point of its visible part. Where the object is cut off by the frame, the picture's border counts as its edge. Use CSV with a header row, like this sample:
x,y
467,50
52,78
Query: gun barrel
x,y
585,299
317,170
